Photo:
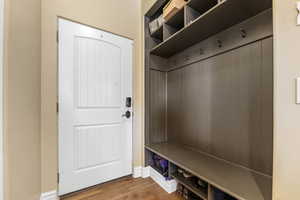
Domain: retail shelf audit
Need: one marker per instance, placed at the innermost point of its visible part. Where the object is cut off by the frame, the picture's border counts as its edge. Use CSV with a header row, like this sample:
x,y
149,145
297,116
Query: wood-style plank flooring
x,y
124,189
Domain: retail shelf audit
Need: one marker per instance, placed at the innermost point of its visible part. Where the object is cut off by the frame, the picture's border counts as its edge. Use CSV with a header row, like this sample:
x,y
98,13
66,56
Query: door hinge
x,y
57,36
57,107
58,178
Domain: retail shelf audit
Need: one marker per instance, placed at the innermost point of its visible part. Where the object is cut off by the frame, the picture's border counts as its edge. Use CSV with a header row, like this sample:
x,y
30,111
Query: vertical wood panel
x,y
262,152
223,106
189,108
174,106
236,109
158,92
195,106
147,81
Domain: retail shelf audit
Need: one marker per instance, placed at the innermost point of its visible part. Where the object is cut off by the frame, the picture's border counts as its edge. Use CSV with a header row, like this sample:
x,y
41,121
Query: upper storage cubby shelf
x,y
204,18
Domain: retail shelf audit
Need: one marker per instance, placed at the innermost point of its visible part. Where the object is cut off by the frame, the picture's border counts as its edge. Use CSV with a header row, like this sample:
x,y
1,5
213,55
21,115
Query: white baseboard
x,y
137,172
49,196
169,186
144,172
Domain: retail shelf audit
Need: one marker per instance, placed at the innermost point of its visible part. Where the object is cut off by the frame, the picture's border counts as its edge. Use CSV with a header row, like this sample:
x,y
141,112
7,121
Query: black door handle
x,y
127,114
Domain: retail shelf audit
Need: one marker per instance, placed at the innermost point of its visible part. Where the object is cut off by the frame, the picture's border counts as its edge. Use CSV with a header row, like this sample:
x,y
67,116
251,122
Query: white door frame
x,y
1,98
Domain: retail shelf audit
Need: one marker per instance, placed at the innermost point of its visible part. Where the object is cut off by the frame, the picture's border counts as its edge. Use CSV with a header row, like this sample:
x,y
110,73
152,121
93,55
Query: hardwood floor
x,y
124,189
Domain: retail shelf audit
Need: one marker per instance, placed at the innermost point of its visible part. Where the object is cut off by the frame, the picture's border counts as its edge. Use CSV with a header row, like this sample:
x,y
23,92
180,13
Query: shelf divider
x,y
190,15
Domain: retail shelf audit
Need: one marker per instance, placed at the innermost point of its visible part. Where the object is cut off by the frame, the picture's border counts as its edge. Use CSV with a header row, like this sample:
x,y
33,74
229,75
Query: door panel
x,y
97,85
95,141
96,146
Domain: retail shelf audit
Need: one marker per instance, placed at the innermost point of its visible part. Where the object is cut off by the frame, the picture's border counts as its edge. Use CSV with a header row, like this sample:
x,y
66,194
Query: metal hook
x,y
187,58
219,43
201,52
243,33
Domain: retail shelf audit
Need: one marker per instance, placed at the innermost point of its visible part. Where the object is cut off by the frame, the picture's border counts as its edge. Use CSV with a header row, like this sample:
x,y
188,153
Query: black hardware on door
x,y
127,114
128,102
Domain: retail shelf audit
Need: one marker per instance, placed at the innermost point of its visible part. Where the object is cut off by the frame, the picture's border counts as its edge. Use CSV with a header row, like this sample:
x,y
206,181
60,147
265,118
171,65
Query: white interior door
x,y
95,79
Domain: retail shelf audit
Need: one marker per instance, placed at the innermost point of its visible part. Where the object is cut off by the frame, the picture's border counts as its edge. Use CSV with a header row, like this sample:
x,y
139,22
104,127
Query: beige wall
x,y
120,17
287,113
146,5
22,100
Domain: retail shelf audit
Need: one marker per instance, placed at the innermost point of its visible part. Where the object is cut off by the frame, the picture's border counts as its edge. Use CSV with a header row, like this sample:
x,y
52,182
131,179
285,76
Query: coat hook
x,y
201,52
187,58
219,43
243,33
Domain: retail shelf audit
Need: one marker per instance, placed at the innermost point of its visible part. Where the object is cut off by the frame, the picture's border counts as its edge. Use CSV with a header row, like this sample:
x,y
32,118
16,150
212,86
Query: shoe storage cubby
x,y
159,164
189,186
189,182
187,194
209,97
217,194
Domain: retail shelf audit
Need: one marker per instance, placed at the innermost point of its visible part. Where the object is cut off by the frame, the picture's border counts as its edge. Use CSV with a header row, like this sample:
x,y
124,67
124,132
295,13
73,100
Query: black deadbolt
x,y
128,102
127,114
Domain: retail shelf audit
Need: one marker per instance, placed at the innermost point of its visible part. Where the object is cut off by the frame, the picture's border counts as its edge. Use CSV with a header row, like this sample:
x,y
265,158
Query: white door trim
x,y
1,98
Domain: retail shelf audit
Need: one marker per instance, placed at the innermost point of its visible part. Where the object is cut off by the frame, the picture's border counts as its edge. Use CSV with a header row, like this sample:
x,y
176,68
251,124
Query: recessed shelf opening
x,y
202,6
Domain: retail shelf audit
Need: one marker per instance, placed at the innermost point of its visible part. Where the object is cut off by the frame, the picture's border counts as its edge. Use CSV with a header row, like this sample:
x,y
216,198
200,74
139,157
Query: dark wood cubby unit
x,y
209,95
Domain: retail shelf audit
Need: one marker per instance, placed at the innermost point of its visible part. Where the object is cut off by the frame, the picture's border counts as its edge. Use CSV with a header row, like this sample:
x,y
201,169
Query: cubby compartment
x,y
195,8
155,37
191,182
159,164
177,21
220,195
169,31
202,6
186,193
174,24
